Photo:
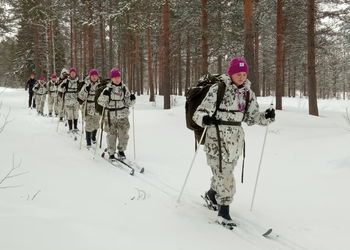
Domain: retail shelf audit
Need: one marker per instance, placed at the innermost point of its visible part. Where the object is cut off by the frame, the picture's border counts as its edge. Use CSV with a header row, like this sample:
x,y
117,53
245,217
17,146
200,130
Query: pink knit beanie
x,y
237,65
115,73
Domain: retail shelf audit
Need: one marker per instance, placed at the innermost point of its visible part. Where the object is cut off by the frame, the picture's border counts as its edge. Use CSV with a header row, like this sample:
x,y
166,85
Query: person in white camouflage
x,y
40,90
225,133
63,76
91,116
70,90
116,98
52,95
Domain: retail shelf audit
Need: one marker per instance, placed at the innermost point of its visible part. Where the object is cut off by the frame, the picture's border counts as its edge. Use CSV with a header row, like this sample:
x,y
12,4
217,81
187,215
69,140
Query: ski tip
x,y
142,170
267,232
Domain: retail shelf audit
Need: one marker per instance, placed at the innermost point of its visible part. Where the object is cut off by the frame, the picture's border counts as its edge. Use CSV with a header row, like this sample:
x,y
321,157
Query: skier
x,y
40,90
63,76
30,84
224,141
52,95
70,89
91,116
116,98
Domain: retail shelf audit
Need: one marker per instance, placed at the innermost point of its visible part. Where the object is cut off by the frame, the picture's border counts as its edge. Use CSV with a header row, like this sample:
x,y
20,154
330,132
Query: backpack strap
x,y
220,97
245,111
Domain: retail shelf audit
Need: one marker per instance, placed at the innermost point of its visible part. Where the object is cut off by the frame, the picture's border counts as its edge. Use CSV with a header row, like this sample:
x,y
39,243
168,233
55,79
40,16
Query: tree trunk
x,y
75,47
256,57
129,52
36,51
160,59
204,38
71,40
51,43
149,48
102,42
141,68
111,43
256,65
155,76
279,56
137,59
179,68
166,71
84,52
91,41
188,63
312,89
249,42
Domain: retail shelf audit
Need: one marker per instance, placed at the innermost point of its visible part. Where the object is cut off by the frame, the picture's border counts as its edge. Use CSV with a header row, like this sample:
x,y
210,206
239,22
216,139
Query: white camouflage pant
x,y
40,102
72,111
92,122
223,183
52,104
59,104
119,129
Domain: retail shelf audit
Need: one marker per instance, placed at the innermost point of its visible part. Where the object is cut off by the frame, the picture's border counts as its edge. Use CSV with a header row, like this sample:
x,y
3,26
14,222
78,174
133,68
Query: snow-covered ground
x,y
70,201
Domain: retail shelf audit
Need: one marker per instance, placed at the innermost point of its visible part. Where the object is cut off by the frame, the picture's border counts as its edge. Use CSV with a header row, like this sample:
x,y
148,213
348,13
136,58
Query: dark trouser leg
x,y
88,138
75,123
93,135
30,100
70,124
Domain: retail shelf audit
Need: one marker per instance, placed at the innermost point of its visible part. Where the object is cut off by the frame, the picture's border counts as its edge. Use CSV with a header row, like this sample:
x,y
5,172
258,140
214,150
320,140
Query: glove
x,y
207,120
88,87
106,92
132,97
270,114
64,85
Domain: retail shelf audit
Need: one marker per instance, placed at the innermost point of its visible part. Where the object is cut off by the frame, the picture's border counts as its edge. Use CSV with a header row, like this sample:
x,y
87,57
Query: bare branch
x,y
8,175
36,194
6,119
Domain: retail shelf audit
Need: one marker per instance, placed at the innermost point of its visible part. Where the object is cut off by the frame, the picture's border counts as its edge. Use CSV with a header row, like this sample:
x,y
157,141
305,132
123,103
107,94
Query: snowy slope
x,y
70,201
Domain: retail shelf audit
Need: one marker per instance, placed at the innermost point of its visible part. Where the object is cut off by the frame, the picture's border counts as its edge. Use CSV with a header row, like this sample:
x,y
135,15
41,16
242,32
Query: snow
x,y
68,200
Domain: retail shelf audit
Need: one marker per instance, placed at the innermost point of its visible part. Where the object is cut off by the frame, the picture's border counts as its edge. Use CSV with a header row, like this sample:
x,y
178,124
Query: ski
x,y
208,204
73,134
142,169
115,163
267,232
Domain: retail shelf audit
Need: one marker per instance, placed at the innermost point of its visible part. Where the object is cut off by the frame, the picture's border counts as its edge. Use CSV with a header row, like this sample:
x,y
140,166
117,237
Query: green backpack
x,y
194,98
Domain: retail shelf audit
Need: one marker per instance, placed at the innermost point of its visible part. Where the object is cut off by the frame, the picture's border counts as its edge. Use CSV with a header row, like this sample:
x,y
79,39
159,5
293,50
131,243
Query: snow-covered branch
x,y
9,175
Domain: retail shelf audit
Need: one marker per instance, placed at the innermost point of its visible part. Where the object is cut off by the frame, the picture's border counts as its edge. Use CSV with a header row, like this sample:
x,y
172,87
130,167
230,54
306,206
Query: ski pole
x,y
133,129
261,156
194,157
100,131
60,112
82,123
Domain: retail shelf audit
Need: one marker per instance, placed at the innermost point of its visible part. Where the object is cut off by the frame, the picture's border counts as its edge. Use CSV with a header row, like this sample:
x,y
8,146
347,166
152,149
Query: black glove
x,y
88,87
207,120
64,85
106,92
270,114
132,97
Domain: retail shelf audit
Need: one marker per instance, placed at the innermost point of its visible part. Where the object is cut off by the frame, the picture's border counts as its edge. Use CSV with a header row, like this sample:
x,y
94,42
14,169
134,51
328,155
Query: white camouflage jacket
x,y
117,105
52,89
83,94
232,137
70,92
40,88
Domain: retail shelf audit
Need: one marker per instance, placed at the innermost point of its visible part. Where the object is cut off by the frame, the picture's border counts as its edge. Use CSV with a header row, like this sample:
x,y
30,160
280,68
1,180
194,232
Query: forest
x,y
294,48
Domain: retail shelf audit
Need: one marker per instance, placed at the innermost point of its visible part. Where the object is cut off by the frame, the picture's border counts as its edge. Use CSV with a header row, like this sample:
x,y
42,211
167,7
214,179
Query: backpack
x,y
194,98
103,84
